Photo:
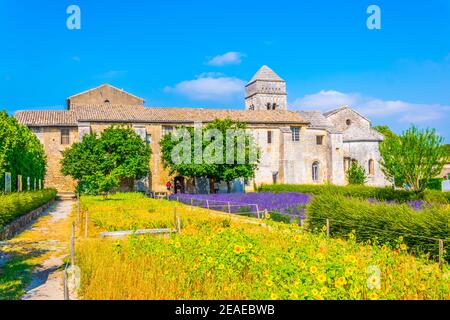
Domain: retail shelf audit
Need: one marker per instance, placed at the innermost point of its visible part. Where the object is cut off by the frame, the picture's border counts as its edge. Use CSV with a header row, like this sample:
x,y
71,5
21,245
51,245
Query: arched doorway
x,y
179,185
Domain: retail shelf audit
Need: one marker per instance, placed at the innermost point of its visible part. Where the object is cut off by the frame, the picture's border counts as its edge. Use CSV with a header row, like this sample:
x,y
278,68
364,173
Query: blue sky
x,y
200,53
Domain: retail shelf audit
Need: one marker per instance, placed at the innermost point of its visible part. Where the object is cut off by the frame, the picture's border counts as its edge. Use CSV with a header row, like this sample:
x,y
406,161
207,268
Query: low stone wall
x,y
18,225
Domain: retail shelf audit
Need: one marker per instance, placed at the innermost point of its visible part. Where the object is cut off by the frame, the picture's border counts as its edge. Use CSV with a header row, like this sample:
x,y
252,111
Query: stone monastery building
x,y
297,147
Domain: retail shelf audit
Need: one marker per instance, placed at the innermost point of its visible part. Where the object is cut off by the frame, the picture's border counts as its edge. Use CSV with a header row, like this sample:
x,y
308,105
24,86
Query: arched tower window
x,y
269,106
315,171
371,167
274,106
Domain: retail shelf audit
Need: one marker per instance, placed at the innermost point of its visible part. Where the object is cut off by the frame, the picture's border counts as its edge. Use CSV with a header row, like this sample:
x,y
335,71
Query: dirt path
x,y
45,245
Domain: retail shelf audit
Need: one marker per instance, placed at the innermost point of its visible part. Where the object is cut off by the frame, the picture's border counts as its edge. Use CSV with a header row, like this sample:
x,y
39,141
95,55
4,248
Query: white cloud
x,y
231,57
210,87
372,107
110,74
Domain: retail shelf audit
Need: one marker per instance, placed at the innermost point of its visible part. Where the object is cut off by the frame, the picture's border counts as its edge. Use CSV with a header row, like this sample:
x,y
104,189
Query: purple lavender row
x,y
288,203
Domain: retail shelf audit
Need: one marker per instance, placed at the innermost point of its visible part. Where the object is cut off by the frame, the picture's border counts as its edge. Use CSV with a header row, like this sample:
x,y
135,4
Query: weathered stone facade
x,y
297,146
104,94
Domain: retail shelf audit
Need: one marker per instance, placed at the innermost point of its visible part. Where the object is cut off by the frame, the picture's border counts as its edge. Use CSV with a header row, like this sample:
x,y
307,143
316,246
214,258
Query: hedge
x,y
382,221
435,184
363,192
17,204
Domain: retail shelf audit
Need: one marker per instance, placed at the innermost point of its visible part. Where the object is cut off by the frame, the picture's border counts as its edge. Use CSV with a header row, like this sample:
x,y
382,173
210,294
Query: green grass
x,y
14,276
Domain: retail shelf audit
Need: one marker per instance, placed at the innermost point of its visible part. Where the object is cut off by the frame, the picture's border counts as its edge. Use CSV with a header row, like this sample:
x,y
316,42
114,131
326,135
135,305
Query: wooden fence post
x,y
257,211
441,254
328,227
72,246
66,285
207,205
175,218
179,225
78,207
86,224
229,207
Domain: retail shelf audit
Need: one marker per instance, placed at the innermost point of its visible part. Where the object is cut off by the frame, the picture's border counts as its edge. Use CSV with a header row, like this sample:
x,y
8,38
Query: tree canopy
x,y
415,157
222,150
21,152
100,163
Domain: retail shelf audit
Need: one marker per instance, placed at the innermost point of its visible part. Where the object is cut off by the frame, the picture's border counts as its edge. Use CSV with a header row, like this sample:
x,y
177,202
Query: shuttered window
x,y
65,136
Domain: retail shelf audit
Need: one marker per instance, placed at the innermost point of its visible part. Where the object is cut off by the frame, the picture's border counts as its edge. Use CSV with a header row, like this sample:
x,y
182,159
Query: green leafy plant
x,y
356,174
17,204
101,163
21,153
414,158
218,167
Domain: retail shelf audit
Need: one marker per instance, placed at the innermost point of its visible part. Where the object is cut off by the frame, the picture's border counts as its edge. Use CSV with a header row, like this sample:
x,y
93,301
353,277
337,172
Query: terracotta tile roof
x,y
358,134
126,113
105,85
47,117
317,120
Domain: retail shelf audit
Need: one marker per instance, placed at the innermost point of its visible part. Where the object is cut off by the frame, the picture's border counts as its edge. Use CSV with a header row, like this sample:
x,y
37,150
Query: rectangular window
x,y
148,139
295,134
167,130
65,138
269,137
319,140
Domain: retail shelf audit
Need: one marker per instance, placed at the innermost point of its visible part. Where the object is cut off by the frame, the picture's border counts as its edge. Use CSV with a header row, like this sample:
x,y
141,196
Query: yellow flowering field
x,y
221,257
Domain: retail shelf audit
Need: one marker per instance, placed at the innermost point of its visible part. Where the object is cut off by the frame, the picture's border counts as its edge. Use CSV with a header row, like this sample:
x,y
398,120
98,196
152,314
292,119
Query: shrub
x,y
363,192
434,184
356,174
381,222
14,205
279,217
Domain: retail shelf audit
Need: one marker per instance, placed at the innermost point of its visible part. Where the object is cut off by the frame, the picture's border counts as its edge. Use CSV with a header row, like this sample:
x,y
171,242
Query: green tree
x,y
356,174
447,148
101,163
416,156
21,152
386,132
214,161
397,175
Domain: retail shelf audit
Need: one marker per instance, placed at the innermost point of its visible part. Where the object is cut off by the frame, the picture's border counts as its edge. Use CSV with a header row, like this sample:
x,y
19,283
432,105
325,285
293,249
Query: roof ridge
x,y
265,74
106,85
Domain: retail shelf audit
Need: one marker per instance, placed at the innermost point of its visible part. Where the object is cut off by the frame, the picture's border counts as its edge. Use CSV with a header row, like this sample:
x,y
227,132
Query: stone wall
x,y
105,93
18,225
50,137
363,152
339,120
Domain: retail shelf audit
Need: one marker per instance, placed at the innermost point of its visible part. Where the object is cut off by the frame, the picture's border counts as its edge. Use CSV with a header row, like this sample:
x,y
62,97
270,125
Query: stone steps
x,y
66,195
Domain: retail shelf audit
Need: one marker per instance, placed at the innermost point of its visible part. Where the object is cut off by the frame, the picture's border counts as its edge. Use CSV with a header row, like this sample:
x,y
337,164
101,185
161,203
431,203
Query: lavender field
x,y
290,204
